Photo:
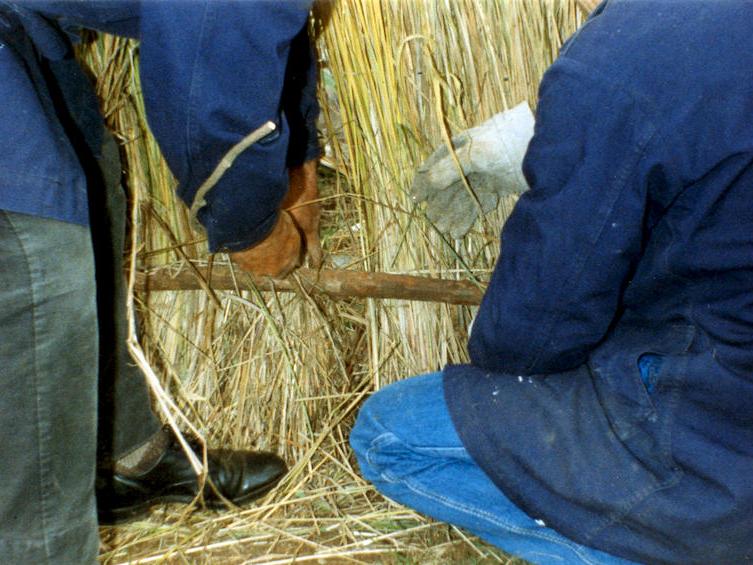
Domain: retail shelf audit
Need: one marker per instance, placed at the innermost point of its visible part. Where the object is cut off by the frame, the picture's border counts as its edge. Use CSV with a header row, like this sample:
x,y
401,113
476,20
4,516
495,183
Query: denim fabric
x,y
48,378
407,446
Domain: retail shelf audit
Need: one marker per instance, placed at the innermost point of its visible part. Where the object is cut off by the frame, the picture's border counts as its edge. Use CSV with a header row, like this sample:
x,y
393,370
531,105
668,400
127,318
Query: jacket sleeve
x,y
572,241
212,72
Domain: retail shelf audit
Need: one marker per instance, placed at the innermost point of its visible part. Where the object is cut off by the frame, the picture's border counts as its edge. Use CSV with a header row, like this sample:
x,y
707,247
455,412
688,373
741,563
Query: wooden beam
x,y
332,283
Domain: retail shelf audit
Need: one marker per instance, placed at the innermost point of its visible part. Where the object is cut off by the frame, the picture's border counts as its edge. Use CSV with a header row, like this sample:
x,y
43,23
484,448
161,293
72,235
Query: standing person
x,y
211,73
607,413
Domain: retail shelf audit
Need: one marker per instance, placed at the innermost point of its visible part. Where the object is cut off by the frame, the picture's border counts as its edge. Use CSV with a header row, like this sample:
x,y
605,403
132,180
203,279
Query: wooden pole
x,y
336,284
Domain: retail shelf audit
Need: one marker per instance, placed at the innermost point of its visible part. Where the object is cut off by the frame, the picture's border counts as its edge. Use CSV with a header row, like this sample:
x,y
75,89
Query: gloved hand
x,y
296,232
302,203
490,156
276,255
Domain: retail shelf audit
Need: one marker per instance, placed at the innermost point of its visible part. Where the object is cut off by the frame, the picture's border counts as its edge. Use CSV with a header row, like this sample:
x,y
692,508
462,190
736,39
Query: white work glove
x,y
490,155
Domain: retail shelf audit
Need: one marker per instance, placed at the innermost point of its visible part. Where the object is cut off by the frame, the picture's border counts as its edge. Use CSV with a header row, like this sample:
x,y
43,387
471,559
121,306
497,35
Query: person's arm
x,y
572,241
297,229
212,72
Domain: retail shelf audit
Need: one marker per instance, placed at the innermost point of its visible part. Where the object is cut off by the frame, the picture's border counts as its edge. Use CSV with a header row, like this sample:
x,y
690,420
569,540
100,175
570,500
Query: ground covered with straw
x,y
287,372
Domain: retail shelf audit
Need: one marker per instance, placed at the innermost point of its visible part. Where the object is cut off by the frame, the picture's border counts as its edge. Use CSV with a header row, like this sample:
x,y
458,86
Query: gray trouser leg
x,y
48,379
126,419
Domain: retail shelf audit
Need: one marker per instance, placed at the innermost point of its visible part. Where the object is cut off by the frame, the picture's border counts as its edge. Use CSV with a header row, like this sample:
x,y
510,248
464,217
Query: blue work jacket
x,y
611,387
211,72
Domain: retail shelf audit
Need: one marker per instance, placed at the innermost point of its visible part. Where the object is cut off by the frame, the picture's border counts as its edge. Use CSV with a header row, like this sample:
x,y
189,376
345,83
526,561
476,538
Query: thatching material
x,y
287,372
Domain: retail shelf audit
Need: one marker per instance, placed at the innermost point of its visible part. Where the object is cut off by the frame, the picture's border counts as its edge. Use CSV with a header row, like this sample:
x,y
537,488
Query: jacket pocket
x,y
635,373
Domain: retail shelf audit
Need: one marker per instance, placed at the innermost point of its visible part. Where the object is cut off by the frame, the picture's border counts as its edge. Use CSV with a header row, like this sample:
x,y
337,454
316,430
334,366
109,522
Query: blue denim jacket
x,y
633,244
211,72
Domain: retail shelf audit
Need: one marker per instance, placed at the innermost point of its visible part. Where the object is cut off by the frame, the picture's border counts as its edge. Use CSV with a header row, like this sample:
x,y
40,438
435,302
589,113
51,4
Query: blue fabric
x,y
634,238
407,446
649,366
211,71
39,170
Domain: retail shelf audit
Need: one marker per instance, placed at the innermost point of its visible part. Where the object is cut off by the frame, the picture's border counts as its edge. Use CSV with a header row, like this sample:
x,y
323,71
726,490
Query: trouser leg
x,y
48,379
407,446
126,419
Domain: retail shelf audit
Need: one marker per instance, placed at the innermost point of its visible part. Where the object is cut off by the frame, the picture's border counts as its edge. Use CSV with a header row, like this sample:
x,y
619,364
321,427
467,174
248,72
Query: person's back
x,y
626,283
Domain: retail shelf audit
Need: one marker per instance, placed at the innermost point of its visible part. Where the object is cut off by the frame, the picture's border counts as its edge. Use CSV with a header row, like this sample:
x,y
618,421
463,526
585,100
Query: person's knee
x,y
376,444
366,429
399,409
392,424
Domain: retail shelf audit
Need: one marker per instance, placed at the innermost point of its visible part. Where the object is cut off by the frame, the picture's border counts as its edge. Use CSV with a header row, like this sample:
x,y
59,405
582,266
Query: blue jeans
x,y
407,446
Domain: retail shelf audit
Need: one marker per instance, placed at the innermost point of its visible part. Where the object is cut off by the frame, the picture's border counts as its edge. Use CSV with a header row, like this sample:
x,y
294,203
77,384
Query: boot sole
x,y
125,514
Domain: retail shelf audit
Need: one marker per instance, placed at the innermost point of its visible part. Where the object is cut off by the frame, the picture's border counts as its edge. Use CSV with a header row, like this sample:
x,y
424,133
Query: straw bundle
x,y
287,371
